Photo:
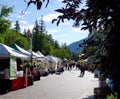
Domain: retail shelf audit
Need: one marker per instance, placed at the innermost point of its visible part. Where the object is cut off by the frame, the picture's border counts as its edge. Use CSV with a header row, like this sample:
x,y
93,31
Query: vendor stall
x,y
11,73
53,64
27,71
35,66
31,57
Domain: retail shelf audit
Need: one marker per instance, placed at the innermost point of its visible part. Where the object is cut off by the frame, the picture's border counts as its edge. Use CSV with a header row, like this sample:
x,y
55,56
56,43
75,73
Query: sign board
x,y
13,68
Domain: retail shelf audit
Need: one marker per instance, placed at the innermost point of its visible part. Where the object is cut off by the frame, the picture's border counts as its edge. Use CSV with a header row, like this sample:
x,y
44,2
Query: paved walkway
x,y
65,86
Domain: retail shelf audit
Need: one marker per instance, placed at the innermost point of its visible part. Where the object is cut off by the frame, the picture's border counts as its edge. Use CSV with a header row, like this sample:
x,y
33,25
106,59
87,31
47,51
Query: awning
x,y
6,52
15,46
40,54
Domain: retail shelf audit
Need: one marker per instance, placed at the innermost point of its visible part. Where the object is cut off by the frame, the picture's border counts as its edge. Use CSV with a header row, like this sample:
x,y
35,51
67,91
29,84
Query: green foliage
x,y
48,49
5,11
56,44
4,23
112,96
1,38
75,55
41,40
97,14
17,26
12,37
15,38
8,36
50,39
45,43
62,53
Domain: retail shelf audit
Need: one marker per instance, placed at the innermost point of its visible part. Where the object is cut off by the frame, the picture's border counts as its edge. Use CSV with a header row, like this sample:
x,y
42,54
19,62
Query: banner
x,y
13,68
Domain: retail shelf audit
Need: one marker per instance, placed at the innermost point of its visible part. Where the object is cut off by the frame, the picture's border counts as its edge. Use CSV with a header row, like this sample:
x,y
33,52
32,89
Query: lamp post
x,y
31,46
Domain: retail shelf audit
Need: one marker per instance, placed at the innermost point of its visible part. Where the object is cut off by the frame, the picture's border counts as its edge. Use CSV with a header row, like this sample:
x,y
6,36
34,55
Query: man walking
x,y
81,66
82,70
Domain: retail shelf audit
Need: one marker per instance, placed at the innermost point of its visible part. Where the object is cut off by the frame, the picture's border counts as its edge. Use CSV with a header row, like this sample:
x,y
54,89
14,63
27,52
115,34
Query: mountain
x,y
74,47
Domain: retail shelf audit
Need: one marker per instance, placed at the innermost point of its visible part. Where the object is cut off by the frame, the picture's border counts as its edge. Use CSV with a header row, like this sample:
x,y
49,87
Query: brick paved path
x,y
65,86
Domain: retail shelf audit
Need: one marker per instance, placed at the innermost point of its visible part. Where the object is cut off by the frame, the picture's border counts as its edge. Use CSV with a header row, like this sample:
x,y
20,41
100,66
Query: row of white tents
x,y
16,51
13,77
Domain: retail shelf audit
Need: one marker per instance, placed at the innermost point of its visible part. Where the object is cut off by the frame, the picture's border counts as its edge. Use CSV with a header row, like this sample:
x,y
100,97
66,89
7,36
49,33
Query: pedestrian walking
x,y
82,70
81,66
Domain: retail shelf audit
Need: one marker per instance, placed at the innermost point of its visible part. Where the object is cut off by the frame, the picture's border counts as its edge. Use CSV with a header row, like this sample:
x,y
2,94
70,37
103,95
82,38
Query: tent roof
x,y
6,52
52,58
15,46
40,54
35,55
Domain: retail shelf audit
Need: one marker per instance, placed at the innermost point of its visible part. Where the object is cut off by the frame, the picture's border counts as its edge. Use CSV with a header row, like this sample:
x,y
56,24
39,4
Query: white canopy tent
x,y
52,59
15,46
53,62
34,55
40,54
6,52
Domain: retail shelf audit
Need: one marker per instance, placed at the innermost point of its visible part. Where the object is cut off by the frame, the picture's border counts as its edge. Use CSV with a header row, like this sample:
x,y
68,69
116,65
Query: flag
x,y
30,35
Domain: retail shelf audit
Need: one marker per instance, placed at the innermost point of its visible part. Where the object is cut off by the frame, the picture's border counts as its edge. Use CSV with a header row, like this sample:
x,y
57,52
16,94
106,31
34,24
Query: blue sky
x,y
64,33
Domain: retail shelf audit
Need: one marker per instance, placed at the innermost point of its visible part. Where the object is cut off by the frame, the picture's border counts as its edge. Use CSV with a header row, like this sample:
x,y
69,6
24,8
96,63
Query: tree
x,y
1,38
28,32
17,26
97,14
64,53
39,37
24,32
56,44
12,37
48,49
4,22
8,36
36,28
42,25
49,38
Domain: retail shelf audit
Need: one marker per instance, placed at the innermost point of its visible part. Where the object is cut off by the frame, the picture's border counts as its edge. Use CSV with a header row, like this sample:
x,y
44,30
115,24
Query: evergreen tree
x,y
49,38
39,37
24,32
42,26
56,44
17,26
36,29
28,32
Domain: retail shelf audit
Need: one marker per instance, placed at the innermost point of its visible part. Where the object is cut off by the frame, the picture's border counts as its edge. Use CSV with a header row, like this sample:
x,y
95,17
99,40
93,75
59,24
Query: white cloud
x,y
76,29
26,27
67,23
60,0
29,27
23,22
50,17
53,31
12,25
61,36
19,16
16,15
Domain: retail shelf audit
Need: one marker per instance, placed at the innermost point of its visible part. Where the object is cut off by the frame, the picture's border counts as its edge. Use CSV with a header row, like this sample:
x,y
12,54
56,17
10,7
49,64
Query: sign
x,y
13,68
